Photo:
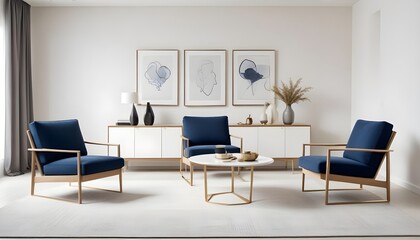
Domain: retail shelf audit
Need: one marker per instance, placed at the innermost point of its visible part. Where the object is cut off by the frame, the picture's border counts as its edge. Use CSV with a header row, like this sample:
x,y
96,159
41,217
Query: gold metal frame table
x,y
209,160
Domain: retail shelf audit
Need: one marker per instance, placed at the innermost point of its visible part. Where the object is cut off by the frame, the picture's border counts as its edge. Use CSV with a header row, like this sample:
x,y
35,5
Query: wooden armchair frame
x,y
79,178
349,179
184,162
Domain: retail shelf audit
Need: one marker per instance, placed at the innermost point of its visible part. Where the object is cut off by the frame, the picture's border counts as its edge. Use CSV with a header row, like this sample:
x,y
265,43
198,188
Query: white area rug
x,y
161,204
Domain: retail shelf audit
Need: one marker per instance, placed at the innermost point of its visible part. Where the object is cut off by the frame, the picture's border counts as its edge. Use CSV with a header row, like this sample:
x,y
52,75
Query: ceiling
x,y
117,3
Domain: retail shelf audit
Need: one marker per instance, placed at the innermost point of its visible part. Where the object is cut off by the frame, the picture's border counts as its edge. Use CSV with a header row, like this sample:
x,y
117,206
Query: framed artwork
x,y
253,75
157,77
205,77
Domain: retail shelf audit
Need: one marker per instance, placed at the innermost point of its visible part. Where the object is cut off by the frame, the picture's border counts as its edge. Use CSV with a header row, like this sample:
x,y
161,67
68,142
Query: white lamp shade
x,y
128,97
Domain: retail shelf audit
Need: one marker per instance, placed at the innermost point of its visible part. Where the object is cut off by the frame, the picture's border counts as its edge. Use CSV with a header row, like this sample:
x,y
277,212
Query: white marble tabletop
x,y
211,160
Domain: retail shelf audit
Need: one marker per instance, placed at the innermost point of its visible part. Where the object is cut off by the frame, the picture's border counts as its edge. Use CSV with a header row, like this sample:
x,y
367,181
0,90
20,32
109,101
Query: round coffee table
x,y
209,160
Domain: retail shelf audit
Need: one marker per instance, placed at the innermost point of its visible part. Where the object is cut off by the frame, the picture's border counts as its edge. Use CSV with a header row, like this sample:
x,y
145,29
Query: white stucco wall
x,y
385,77
84,57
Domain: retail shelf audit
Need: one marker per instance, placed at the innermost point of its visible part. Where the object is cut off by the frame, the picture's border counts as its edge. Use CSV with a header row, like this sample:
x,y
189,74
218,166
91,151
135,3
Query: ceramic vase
x,y
149,116
269,112
263,118
288,115
134,118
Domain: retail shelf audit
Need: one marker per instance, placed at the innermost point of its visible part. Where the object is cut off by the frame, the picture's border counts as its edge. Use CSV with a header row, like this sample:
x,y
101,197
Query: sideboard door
x,y
249,137
123,136
296,137
271,141
148,142
171,142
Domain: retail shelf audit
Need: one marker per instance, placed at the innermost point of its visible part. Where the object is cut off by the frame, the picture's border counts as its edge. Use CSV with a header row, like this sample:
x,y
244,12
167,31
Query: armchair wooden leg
x,y
181,171
191,173
79,192
303,182
120,179
327,186
33,183
33,174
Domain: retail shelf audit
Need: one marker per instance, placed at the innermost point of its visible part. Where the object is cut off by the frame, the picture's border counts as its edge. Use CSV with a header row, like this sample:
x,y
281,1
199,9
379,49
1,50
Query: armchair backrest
x,y
206,130
63,134
372,135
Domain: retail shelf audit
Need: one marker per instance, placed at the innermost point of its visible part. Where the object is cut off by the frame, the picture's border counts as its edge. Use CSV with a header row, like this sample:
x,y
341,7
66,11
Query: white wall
x,y
386,77
83,58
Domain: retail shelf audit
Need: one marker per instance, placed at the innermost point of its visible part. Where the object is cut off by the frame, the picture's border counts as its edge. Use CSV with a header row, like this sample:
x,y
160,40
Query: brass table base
x,y
208,196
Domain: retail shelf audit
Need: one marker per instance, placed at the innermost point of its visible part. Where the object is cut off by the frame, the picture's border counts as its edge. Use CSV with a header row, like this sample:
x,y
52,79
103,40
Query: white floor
x,y
15,188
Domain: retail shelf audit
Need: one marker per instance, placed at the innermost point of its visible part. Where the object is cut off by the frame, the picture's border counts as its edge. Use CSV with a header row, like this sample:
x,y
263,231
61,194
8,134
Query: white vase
x,y
263,118
274,113
269,112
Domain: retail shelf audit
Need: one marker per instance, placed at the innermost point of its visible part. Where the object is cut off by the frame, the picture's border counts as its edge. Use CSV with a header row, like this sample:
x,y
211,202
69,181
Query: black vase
x,y
149,116
134,118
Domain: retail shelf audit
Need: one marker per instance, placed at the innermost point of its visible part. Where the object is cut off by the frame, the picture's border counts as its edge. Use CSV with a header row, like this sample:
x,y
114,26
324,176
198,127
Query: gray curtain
x,y
19,109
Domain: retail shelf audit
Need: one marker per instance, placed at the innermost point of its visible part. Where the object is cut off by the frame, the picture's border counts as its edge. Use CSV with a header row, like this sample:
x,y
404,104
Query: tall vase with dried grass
x,y
289,94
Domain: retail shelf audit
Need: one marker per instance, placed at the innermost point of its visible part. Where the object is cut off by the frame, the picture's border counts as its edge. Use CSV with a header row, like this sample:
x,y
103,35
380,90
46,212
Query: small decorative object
x,y
263,118
248,120
248,156
289,94
288,115
131,97
123,122
221,153
268,112
149,116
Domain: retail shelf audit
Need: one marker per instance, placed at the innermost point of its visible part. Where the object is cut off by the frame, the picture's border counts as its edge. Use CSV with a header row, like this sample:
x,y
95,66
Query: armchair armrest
x,y
321,145
324,144
386,151
240,138
187,140
77,152
360,150
106,144
53,150
103,144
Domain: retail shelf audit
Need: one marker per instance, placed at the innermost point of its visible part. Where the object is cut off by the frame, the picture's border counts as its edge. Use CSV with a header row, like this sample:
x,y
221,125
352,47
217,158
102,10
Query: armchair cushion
x,y
207,149
371,135
64,134
339,166
89,165
206,130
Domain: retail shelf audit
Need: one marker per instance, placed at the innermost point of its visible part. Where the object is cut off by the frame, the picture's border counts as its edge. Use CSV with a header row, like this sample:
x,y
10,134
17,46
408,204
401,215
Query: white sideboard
x,y
282,142
147,142
276,141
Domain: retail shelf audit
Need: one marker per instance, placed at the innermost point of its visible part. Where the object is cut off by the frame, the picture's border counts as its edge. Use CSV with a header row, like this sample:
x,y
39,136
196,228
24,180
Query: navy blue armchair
x,y
59,153
362,158
200,136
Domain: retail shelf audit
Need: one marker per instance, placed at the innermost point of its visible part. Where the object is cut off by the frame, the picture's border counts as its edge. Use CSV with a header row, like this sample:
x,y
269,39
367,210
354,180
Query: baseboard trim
x,y
409,186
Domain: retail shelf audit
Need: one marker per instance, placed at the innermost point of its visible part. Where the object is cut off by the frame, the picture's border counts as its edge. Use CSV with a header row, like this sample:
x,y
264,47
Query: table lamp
x,y
131,97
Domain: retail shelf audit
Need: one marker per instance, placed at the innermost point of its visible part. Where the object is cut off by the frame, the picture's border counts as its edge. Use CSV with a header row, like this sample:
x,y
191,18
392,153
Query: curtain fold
x,y
19,105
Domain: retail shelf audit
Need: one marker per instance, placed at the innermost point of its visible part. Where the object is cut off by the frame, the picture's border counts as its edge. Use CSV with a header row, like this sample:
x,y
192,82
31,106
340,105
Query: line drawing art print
x,y
157,77
157,74
205,77
253,76
251,72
